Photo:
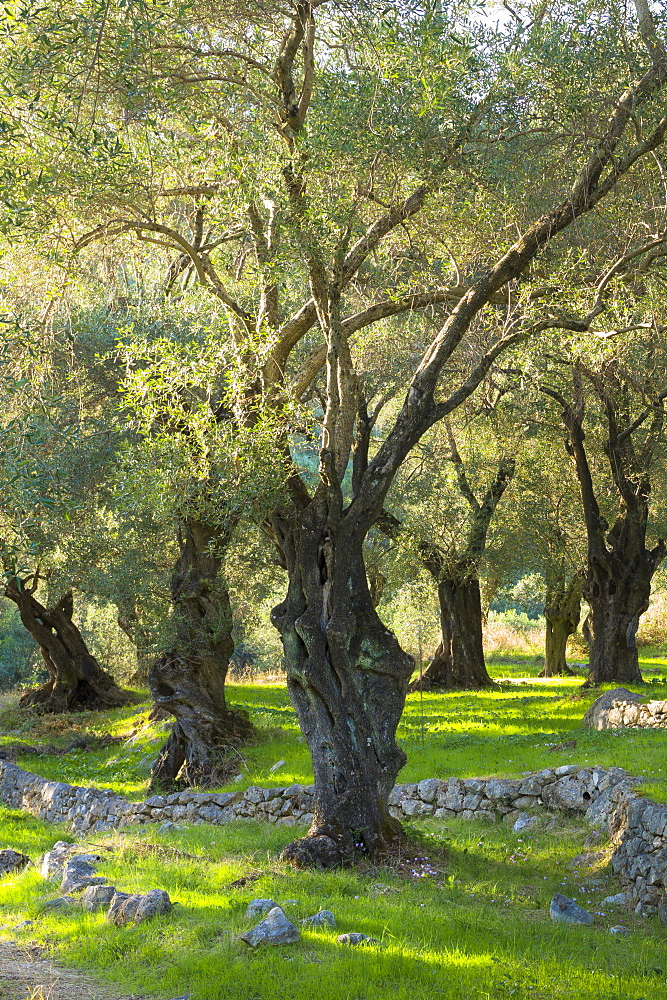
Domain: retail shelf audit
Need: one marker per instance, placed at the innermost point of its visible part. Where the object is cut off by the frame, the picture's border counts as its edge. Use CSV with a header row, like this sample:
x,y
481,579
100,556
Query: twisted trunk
x,y
188,681
562,611
458,662
76,680
347,677
617,593
619,566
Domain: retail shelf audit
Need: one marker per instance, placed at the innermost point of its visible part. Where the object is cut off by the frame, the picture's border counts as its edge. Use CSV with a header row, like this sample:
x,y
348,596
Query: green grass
x,y
475,926
478,927
504,731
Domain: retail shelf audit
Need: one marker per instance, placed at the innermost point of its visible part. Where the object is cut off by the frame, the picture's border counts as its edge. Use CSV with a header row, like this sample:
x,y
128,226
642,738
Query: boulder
x,y
428,789
597,716
123,908
569,794
274,929
135,908
565,911
77,877
155,903
61,903
12,861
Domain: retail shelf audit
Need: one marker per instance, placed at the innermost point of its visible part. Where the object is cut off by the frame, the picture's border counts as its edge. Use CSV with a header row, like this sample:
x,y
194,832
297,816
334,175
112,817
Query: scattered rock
x,y
23,925
12,861
354,938
274,929
75,881
155,903
620,899
123,908
79,872
324,918
128,908
97,897
594,837
54,860
565,911
258,907
524,822
169,827
61,903
619,929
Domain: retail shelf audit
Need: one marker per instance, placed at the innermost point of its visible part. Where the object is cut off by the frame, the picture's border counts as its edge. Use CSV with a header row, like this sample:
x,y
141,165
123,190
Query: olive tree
x,y
325,153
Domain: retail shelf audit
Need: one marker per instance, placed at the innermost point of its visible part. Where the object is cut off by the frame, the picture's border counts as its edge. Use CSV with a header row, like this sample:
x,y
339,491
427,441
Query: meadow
x,y
463,914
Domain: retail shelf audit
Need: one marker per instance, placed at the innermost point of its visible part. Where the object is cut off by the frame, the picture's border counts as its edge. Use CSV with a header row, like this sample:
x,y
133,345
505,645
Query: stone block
x,y
428,789
525,801
474,784
530,786
255,794
415,807
450,796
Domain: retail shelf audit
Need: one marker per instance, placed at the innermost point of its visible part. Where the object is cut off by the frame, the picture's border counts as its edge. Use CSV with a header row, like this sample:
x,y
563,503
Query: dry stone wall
x,y
639,830
622,708
637,826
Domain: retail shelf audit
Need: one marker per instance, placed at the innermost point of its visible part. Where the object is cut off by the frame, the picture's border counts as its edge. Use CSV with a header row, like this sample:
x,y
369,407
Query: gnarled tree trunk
x,y
458,662
188,681
347,677
619,566
617,594
76,680
562,611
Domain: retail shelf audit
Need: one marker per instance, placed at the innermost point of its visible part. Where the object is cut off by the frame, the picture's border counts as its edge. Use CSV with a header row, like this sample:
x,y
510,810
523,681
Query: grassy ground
x,y
476,925
501,732
471,921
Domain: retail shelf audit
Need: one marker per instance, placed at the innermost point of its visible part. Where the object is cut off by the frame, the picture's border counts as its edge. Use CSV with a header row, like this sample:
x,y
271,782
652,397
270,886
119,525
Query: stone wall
x,y
639,830
562,788
622,708
569,787
638,827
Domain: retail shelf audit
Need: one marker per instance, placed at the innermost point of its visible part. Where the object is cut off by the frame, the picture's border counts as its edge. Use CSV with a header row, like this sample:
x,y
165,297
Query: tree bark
x,y
619,566
562,611
617,595
347,677
129,623
76,680
458,662
188,681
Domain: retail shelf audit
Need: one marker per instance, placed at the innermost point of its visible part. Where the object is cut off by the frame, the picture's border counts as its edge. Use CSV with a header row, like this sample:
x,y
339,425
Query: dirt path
x,y
24,975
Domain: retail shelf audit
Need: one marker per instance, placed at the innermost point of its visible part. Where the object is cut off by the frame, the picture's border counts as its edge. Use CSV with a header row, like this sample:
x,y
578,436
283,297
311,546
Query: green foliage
x,y
19,657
